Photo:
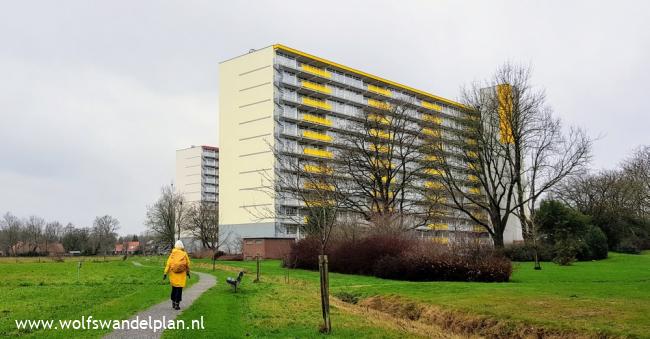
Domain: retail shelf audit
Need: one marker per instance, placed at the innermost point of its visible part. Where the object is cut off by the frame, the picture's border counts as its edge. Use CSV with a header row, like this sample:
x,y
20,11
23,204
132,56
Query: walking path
x,y
164,309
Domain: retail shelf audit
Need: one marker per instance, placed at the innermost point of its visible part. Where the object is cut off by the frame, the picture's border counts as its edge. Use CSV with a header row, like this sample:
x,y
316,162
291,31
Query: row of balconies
x,y
358,84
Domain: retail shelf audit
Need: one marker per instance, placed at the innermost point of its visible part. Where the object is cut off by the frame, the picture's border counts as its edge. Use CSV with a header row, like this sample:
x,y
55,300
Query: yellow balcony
x,y
379,118
317,169
318,153
433,171
438,227
472,178
431,118
475,190
431,132
473,166
472,154
437,200
380,90
433,185
320,186
316,103
319,203
315,70
432,106
377,133
440,240
316,119
471,142
383,163
379,148
378,104
432,158
317,136
479,229
316,87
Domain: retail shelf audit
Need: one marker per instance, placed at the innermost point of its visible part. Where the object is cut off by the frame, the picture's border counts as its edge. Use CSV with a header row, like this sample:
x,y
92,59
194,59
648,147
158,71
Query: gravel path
x,y
164,311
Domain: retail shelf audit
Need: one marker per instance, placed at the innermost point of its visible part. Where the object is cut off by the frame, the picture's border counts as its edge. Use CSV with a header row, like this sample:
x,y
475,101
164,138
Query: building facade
x,y
281,100
197,173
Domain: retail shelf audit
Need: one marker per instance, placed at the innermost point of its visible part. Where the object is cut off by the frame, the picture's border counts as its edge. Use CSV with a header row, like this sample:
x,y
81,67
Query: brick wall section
x,y
266,248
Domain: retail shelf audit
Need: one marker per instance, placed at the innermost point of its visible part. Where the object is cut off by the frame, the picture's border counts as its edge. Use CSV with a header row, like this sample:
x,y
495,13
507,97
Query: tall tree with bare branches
x,y
383,150
167,217
511,152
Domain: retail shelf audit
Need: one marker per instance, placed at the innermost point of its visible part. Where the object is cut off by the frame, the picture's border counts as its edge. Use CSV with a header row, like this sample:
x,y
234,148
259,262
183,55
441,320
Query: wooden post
x,y
324,292
257,258
78,271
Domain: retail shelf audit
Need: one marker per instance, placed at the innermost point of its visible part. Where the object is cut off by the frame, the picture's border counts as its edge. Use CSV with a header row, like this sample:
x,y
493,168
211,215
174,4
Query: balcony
x,y
433,171
438,227
209,171
472,178
379,118
319,186
377,133
431,106
379,148
316,136
379,90
317,169
378,104
318,153
431,132
316,103
316,119
474,190
316,71
433,185
316,87
210,189
431,118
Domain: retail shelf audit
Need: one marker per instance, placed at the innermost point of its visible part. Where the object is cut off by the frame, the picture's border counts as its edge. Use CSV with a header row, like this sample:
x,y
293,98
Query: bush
x,y
525,252
596,245
304,254
400,258
629,245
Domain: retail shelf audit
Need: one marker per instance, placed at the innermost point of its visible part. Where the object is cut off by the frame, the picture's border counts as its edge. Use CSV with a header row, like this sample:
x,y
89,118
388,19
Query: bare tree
x,y
52,233
308,194
203,224
11,227
33,232
167,217
104,233
383,150
511,152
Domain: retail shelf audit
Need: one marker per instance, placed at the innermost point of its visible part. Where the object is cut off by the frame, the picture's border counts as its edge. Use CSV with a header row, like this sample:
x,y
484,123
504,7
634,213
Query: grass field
x,y
609,297
113,289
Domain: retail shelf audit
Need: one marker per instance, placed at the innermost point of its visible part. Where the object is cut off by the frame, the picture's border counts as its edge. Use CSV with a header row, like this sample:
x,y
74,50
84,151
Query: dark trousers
x,y
177,294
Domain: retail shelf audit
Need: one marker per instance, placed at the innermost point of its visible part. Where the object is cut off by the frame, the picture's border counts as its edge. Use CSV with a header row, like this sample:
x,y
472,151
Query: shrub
x,y
348,297
629,245
596,245
525,252
304,254
400,258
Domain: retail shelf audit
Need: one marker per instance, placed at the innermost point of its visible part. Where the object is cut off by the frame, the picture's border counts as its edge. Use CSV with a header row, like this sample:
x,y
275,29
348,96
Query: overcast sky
x,y
95,96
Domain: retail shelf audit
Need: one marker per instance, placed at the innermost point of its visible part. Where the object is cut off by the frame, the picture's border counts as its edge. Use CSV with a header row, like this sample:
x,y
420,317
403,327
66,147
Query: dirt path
x,y
164,311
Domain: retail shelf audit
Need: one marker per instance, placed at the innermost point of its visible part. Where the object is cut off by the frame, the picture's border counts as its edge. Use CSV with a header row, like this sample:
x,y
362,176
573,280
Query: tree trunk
x,y
497,238
324,292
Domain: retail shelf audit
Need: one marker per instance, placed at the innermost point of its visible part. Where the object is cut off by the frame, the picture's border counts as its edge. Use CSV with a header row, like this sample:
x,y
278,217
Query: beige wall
x,y
188,173
245,136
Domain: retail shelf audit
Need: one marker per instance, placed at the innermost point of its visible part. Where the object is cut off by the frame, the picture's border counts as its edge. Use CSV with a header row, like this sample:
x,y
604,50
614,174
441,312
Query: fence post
x,y
257,258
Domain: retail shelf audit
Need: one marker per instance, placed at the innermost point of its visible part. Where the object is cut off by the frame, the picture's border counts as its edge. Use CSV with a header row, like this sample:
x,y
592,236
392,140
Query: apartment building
x,y
197,173
279,98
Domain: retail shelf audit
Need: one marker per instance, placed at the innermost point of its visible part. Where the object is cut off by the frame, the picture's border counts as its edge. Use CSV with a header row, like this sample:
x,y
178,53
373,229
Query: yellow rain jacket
x,y
177,279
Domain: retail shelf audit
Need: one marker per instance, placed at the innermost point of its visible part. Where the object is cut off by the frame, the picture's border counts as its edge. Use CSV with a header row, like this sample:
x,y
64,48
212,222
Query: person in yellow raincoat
x,y
178,268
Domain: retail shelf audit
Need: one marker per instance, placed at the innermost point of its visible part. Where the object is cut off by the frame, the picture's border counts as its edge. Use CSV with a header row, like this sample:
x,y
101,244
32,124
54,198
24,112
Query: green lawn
x,y
610,296
48,290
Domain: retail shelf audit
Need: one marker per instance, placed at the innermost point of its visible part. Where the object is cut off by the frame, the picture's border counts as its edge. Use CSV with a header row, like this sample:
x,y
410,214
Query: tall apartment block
x,y
197,173
279,97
